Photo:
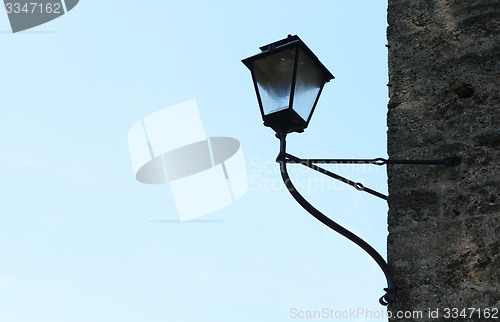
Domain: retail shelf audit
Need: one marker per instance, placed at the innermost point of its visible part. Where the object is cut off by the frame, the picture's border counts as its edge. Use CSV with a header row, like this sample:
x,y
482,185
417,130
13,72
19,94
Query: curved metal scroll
x,y
389,297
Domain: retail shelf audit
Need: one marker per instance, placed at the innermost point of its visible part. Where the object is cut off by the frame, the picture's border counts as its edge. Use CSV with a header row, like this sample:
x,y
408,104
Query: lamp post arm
x,y
390,293
451,161
311,163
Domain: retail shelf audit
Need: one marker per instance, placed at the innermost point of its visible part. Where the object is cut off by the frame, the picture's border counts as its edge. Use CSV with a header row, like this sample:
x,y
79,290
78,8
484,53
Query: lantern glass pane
x,y
310,78
273,75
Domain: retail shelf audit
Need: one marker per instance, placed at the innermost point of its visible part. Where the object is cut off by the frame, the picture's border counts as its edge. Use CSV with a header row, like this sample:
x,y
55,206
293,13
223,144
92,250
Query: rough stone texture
x,y
444,89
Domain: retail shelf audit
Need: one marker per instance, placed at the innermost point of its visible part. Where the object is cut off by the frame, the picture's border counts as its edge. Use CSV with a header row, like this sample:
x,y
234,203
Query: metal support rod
x,y
288,158
389,297
359,186
452,162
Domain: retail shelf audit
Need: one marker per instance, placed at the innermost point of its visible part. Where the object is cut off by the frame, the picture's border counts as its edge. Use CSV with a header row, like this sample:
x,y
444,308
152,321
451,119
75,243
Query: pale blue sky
x,y
79,237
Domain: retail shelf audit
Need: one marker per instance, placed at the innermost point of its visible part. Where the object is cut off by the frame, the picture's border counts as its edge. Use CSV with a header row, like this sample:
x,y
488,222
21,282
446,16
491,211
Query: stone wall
x,y
444,89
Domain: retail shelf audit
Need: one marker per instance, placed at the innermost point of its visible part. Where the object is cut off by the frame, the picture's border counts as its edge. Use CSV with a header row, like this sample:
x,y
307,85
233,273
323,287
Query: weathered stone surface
x,y
444,222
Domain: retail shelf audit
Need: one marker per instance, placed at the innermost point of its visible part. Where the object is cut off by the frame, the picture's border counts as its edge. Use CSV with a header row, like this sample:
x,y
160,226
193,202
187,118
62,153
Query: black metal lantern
x,y
288,79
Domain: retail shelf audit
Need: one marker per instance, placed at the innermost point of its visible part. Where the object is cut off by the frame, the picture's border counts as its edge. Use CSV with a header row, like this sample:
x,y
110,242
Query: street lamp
x,y
288,80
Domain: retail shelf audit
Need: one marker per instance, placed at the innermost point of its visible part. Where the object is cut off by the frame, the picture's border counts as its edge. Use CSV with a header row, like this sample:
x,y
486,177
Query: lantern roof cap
x,y
288,40
285,43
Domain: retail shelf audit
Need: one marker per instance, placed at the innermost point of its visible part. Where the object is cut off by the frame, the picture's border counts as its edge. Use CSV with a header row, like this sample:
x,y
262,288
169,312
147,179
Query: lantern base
x,y
285,121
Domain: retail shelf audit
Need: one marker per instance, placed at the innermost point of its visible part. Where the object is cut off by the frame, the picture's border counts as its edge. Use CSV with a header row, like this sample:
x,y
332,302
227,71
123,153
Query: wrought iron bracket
x,y
284,158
